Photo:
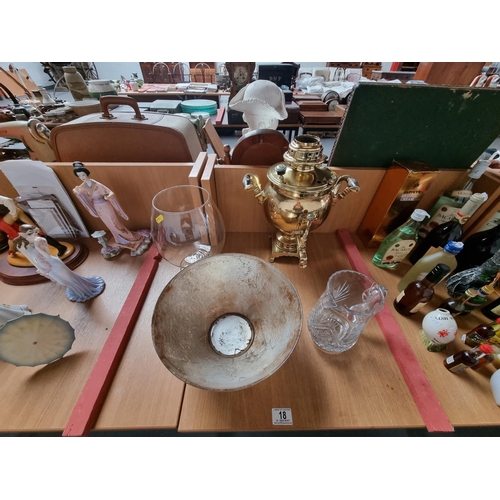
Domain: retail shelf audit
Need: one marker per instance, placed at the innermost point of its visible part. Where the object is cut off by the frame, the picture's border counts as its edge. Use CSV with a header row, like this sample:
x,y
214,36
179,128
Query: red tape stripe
x,y
93,395
220,115
420,388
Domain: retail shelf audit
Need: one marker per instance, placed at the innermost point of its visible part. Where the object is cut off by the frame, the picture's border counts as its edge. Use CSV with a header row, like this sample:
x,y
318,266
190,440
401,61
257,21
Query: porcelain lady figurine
x,y
262,103
101,202
9,225
36,250
8,312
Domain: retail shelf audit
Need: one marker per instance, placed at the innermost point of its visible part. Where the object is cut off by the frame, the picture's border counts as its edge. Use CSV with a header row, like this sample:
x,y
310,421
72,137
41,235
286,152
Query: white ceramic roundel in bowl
x,y
227,322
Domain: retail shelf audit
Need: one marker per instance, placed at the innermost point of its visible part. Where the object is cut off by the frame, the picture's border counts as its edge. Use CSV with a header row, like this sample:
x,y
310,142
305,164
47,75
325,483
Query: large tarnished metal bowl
x,y
226,322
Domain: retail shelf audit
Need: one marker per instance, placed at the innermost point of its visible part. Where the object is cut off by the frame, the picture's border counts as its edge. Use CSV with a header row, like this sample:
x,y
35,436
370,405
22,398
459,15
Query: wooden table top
x,y
151,92
144,394
149,88
38,399
362,388
359,389
466,397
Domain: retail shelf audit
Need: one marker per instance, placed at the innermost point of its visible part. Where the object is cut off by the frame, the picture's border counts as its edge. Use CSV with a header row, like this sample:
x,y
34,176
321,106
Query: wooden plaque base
x,y
20,276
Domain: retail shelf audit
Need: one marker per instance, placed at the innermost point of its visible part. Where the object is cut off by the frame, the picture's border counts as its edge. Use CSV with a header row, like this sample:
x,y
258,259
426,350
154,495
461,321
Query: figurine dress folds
x,y
100,201
36,250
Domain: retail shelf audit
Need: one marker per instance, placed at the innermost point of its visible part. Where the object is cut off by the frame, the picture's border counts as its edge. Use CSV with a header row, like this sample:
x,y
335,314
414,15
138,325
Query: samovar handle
x,y
352,186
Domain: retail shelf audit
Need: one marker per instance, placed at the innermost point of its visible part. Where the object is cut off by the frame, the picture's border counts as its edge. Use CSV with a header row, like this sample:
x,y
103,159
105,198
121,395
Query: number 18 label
x,y
282,416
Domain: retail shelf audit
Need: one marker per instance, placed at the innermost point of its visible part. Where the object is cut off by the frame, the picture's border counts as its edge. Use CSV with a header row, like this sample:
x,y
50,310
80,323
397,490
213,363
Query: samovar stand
x,y
292,244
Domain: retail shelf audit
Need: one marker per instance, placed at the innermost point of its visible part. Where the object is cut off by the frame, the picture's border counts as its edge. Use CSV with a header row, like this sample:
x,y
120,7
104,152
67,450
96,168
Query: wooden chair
x,y
259,147
180,73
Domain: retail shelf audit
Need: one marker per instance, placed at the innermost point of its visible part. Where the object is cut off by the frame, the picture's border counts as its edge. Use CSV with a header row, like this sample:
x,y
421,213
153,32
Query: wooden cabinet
x,y
448,73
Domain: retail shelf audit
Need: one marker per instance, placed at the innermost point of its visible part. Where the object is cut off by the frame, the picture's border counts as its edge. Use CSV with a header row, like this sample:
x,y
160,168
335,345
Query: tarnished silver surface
x,y
231,335
225,287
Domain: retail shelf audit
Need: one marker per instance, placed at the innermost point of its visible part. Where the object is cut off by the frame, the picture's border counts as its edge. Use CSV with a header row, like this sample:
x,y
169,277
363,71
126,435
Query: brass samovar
x,y
299,195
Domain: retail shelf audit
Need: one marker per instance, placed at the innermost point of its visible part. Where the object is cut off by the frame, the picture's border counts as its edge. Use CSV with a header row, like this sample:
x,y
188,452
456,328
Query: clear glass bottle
x,y
418,293
448,231
400,242
476,277
454,198
462,360
481,333
446,255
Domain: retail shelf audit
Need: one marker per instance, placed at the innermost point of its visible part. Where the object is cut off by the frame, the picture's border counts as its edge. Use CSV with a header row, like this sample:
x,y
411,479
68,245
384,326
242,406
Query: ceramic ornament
x,y
101,202
8,312
438,329
36,250
35,339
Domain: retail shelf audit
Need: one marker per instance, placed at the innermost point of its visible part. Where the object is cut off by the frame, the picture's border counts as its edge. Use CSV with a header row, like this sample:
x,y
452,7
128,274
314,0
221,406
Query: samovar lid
x,y
302,168
305,152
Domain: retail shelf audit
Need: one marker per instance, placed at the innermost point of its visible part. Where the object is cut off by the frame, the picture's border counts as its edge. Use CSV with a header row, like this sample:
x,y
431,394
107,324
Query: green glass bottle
x,y
398,244
452,200
471,299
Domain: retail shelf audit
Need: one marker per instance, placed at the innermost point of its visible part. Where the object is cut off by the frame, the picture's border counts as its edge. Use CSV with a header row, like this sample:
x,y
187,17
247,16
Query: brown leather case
x,y
126,137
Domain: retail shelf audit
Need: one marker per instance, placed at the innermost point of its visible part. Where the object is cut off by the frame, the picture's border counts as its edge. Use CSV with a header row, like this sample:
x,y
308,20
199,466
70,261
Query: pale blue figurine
x,y
36,250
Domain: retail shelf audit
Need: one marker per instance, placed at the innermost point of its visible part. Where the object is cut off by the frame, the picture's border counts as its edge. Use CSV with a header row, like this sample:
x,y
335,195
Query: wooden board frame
x,y
449,128
134,184
242,213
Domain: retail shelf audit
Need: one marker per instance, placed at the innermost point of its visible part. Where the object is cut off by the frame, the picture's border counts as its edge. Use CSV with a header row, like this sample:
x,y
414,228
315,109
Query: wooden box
x,y
399,193
306,97
312,105
319,117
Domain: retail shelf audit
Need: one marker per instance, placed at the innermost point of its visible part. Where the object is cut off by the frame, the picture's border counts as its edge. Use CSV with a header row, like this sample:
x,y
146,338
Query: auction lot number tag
x,y
282,416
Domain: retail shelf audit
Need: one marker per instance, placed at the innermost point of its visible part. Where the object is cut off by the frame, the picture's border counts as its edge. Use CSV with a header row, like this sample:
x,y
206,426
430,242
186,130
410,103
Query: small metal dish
x,y
226,322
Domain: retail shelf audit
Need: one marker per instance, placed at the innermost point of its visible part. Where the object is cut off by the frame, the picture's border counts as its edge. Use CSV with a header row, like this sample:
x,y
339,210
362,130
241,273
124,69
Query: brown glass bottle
x,y
462,360
481,334
419,292
488,357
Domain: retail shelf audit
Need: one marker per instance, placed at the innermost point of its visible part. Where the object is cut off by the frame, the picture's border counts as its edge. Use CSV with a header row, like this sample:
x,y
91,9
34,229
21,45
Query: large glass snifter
x,y
186,225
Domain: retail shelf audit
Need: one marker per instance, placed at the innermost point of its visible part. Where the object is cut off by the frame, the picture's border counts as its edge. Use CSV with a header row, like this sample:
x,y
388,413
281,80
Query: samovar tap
x,y
251,181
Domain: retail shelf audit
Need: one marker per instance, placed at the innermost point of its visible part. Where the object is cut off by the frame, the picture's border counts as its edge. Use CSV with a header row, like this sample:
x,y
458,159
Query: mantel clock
x,y
240,74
